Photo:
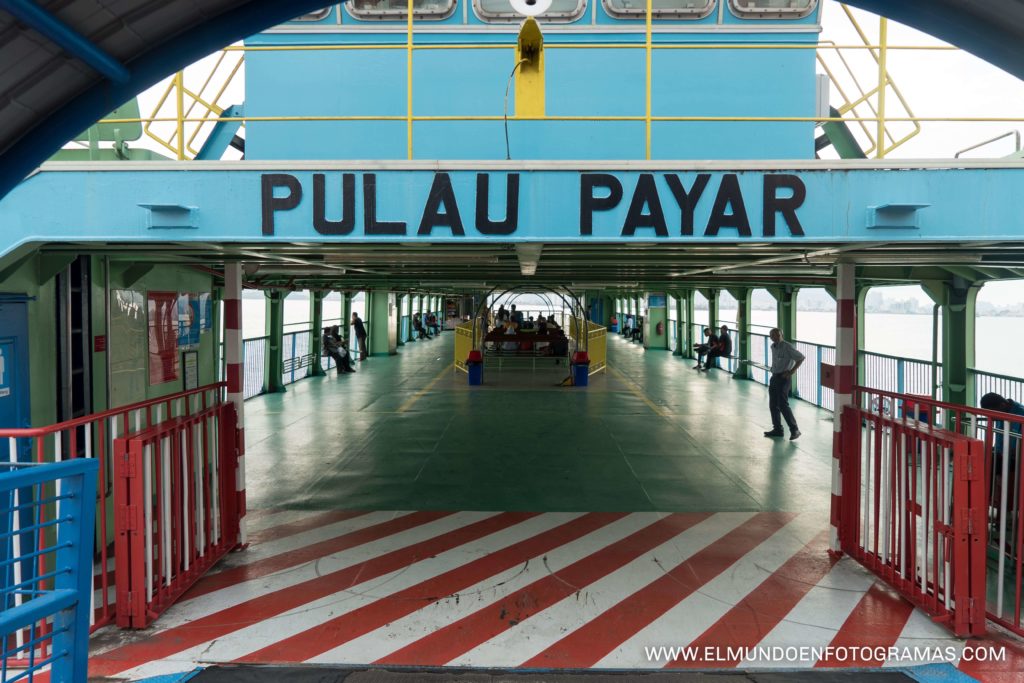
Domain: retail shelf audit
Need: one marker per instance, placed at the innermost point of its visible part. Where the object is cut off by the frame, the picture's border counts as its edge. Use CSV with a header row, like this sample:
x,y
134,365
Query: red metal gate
x,y
914,509
175,509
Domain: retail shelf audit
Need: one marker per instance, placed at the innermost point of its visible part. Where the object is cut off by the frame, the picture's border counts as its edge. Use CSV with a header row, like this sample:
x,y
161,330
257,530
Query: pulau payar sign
x,y
561,205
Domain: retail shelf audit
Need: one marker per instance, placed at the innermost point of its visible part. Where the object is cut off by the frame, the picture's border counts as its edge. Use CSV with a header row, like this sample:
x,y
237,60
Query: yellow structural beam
x,y
530,76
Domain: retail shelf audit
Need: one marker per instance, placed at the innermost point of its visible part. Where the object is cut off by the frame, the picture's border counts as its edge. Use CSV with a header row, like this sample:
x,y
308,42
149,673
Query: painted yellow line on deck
x,y
419,394
638,392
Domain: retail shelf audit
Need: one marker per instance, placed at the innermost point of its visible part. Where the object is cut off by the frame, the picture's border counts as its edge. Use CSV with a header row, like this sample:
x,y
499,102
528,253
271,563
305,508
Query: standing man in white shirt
x,y
785,361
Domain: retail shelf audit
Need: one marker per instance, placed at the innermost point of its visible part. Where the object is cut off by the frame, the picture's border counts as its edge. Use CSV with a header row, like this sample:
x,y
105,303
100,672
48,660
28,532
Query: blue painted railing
x,y
47,514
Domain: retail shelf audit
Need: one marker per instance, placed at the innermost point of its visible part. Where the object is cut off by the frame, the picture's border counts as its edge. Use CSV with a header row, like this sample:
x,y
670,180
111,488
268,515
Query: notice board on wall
x,y
126,347
163,336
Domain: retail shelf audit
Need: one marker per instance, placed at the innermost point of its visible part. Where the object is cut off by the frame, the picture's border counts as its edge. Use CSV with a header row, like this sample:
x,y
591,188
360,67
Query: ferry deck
x,y
181,502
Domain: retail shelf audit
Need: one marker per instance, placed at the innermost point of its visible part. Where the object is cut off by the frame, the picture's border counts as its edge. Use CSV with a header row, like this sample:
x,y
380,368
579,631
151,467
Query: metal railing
x,y
94,437
1006,386
997,519
47,515
296,355
596,344
900,375
910,492
187,112
254,367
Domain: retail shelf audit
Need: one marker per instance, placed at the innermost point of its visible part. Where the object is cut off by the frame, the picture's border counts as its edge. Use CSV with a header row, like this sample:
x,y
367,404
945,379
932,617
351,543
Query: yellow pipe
x,y
787,119
408,85
584,46
647,92
883,76
179,82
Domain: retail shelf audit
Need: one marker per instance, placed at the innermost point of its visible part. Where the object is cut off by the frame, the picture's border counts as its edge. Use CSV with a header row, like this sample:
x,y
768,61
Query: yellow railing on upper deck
x,y
869,103
466,341
597,341
186,110
193,109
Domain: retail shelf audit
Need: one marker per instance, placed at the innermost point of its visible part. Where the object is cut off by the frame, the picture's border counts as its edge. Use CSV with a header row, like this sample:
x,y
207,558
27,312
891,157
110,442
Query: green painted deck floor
x,y
650,433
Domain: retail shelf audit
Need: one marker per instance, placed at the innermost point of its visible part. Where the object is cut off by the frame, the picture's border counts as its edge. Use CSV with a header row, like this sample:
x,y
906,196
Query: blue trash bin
x,y
475,370
580,369
580,374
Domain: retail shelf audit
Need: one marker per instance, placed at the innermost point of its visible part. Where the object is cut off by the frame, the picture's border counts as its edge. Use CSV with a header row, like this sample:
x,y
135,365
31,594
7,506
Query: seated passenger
x,y
552,324
637,333
510,328
417,326
432,324
723,349
335,348
710,342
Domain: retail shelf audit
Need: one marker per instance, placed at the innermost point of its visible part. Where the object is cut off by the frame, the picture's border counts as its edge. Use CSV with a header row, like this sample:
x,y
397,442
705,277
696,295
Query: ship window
x,y
772,9
314,16
677,9
501,10
393,10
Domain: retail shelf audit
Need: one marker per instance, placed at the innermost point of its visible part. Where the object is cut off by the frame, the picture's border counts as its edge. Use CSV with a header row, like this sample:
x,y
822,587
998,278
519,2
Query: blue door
x,y
14,380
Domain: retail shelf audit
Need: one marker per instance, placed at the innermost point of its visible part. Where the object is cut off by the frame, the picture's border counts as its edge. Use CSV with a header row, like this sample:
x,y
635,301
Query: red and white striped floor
x,y
509,589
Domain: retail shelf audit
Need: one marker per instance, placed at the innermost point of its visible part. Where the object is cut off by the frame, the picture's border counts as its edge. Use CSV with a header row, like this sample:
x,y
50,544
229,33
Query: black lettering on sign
x,y
787,206
729,195
371,226
687,201
646,194
269,204
321,223
589,203
441,195
484,224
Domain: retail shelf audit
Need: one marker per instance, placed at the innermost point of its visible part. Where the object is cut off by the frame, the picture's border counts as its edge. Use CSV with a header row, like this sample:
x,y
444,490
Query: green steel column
x,y
380,310
712,296
742,350
275,343
316,314
398,318
786,310
655,315
862,295
958,332
346,317
688,323
786,315
411,300
680,326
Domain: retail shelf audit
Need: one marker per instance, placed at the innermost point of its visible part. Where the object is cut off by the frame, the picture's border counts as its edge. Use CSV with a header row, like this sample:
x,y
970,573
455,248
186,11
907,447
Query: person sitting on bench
x,y
710,342
335,347
723,349
417,326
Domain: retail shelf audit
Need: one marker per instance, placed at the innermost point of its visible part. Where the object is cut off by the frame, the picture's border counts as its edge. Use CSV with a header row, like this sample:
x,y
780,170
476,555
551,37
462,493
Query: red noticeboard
x,y
99,343
163,336
828,376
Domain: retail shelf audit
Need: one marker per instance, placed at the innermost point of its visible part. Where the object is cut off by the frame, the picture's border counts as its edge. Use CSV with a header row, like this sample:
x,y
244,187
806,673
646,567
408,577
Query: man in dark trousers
x,y
360,331
721,349
785,361
710,343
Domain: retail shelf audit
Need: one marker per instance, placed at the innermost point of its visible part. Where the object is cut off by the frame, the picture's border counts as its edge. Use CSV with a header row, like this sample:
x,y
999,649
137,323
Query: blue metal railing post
x,y
901,380
75,545
68,601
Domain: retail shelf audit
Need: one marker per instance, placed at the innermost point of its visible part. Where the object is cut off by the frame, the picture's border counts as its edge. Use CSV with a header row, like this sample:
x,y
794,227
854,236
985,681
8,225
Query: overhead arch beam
x,y
64,123
990,29
74,43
